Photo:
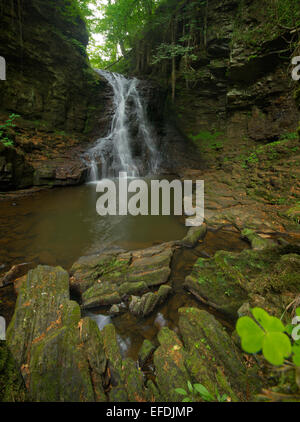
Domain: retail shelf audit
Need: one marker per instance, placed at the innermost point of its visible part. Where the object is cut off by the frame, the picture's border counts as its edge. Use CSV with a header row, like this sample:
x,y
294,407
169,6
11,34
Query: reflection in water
x,y
101,320
124,344
160,321
58,226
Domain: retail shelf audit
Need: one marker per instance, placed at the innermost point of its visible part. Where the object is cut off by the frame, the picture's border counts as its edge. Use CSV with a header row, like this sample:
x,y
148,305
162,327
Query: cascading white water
x,y
130,144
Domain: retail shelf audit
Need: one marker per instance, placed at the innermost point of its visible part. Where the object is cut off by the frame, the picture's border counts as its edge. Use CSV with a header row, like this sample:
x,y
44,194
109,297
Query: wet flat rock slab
x,y
109,278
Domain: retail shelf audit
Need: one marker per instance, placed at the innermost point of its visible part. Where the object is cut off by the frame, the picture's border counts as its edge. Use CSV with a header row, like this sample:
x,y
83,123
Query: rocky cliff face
x,y
48,76
239,81
243,84
61,101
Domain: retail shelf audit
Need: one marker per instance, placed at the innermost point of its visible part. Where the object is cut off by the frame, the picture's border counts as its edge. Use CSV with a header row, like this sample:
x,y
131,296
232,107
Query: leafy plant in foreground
x,y
269,335
196,390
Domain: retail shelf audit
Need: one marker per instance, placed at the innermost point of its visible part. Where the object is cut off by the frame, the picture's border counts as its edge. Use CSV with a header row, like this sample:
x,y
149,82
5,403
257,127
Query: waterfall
x,y
130,145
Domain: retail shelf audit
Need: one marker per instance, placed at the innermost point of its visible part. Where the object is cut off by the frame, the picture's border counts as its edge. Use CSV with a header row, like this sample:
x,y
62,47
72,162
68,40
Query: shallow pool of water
x,y
57,226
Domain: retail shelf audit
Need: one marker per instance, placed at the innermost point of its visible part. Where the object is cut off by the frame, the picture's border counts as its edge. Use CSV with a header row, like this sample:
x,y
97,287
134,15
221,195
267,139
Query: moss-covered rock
x,y
217,283
104,279
67,94
257,242
293,213
61,356
145,352
124,379
128,288
169,361
96,269
94,298
212,358
206,355
143,306
111,347
152,265
194,235
266,278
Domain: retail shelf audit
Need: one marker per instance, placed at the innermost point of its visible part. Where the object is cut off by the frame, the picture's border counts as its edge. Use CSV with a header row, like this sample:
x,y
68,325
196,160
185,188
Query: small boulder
x,y
256,241
194,235
143,306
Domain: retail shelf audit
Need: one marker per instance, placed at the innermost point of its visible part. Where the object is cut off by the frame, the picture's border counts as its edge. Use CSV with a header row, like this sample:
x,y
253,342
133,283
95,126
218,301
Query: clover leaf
x,y
251,334
266,335
296,354
268,322
276,347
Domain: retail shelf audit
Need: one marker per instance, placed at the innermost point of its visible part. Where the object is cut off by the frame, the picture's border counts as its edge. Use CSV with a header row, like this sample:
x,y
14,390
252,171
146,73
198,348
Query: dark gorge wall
x,y
238,80
61,101
48,76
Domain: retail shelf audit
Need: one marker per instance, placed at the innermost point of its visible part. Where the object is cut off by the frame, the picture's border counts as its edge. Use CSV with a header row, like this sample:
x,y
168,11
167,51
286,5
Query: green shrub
x,y
4,136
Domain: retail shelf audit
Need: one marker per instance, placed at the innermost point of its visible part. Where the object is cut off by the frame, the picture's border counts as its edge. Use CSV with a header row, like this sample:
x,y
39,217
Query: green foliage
x,y
198,390
268,334
77,44
121,22
205,135
285,12
73,9
252,159
168,51
272,150
274,18
209,140
288,136
148,31
4,136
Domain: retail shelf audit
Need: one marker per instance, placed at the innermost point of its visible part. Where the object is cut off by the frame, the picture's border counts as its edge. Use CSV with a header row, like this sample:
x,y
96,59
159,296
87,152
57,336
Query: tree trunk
x,y
123,50
205,24
173,64
173,78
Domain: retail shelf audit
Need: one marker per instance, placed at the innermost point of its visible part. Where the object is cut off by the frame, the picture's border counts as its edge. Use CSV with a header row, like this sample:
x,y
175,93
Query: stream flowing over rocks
x,y
47,328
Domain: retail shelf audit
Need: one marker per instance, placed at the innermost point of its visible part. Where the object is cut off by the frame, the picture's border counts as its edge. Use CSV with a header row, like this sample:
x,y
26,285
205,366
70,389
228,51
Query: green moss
x,y
229,279
208,139
12,387
211,356
137,288
293,213
111,347
146,351
256,241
